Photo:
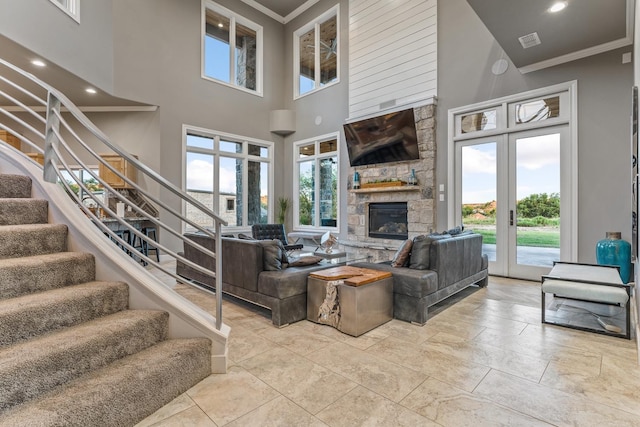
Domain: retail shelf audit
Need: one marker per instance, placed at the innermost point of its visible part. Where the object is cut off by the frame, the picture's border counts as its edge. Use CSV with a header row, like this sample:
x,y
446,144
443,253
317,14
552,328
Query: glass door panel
x,y
479,193
534,215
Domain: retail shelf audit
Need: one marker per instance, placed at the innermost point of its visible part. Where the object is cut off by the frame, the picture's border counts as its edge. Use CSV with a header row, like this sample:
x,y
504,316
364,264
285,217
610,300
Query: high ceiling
x,y
583,28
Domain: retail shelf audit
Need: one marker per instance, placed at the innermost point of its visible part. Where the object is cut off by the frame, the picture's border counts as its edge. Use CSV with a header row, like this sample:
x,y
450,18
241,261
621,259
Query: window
x,y
316,53
316,175
88,180
70,7
232,49
230,175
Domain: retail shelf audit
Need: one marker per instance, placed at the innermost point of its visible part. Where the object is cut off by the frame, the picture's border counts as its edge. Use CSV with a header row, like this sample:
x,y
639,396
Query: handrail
x,y
59,141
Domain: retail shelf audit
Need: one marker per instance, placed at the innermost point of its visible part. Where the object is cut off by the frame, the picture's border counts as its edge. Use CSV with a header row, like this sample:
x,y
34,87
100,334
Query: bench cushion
x,y
586,291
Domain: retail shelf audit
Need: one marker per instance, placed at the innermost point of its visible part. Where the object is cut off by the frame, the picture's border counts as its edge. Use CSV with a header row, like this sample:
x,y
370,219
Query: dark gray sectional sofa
x,y
454,263
284,291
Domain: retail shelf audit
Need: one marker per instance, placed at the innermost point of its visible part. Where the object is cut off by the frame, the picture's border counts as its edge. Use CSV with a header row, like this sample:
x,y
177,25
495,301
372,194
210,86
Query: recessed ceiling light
x,y
220,25
38,63
557,6
91,90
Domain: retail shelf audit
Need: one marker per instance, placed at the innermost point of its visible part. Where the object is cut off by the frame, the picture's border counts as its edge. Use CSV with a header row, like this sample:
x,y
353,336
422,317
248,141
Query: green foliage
x,y
538,221
283,207
539,205
466,210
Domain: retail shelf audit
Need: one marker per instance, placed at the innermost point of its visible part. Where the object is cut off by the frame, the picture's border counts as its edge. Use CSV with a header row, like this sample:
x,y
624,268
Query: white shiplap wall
x,y
392,54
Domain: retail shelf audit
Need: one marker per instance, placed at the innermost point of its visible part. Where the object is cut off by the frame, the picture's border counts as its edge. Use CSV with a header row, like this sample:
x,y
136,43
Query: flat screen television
x,y
382,139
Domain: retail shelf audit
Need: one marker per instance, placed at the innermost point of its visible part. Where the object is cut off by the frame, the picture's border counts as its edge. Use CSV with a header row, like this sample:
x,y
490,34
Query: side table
x,y
353,300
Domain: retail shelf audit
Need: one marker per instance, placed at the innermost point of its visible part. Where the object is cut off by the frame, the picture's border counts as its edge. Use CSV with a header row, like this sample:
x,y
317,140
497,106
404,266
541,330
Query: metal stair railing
x,y
44,125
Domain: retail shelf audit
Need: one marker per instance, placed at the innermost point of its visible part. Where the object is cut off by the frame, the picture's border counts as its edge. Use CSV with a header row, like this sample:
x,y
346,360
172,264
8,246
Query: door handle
x,y
511,217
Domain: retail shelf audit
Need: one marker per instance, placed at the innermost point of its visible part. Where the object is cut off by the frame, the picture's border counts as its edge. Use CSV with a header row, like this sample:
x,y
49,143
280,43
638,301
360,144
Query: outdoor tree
x,y
543,204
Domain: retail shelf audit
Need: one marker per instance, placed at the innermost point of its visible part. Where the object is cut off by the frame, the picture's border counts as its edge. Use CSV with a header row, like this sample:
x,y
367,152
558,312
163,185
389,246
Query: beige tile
x,y
177,405
307,384
279,412
453,407
550,405
613,386
362,342
486,318
406,331
191,417
588,341
362,407
297,338
448,324
244,344
461,373
379,375
226,397
511,362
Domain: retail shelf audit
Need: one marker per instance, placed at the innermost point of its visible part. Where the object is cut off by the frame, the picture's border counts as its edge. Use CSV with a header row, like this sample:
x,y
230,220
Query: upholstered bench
x,y
586,282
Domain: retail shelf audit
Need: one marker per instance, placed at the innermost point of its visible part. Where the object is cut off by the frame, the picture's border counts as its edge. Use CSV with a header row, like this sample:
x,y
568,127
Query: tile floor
x,y
485,360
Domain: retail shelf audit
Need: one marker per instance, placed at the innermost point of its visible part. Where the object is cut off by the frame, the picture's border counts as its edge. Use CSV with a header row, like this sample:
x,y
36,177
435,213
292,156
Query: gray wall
x,y
466,52
329,104
149,51
85,49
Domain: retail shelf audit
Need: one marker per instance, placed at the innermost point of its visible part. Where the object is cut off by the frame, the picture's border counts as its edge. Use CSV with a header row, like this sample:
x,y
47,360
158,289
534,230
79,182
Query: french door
x,y
510,191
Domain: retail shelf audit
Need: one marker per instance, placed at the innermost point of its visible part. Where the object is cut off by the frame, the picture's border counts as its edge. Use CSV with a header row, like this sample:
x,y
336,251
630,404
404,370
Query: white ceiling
x,y
281,10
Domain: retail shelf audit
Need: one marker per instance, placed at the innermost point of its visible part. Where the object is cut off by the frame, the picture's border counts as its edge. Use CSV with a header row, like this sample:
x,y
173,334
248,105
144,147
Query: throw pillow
x,y
401,258
245,236
454,231
304,261
284,259
419,259
271,255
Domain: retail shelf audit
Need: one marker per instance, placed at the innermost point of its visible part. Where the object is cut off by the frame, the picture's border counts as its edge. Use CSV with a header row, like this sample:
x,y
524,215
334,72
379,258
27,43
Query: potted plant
x,y
283,207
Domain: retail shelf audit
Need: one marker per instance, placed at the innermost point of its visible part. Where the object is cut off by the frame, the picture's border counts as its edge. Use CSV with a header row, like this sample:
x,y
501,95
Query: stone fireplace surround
x,y
420,199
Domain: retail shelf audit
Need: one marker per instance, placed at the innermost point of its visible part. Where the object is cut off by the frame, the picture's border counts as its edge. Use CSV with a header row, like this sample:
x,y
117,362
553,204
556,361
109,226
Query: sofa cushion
x,y
304,261
420,253
401,258
272,254
419,259
406,281
286,283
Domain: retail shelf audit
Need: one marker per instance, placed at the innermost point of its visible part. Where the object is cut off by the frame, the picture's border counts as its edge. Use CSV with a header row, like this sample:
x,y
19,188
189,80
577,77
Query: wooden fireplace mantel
x,y
387,189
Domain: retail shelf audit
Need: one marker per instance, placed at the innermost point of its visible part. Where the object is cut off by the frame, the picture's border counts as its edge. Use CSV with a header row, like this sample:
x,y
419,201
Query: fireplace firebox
x,y
388,220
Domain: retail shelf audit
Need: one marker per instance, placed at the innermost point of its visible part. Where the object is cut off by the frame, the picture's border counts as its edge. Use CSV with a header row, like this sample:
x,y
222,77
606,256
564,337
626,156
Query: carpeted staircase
x,y
71,352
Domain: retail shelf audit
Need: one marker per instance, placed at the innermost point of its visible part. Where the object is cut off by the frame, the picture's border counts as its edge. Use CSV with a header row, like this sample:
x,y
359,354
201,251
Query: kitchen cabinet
x,y
122,166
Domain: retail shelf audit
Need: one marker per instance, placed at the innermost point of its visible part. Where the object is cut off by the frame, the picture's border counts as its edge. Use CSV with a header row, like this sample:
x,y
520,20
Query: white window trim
x,y
73,10
315,24
186,129
569,116
234,18
296,181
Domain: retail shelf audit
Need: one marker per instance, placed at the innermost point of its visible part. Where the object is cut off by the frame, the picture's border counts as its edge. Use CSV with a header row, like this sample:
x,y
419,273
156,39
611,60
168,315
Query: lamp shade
x,y
282,122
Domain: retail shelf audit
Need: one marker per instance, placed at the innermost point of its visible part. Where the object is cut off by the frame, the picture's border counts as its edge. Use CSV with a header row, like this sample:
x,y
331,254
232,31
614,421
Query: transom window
x,y
232,49
316,53
70,7
316,181
229,174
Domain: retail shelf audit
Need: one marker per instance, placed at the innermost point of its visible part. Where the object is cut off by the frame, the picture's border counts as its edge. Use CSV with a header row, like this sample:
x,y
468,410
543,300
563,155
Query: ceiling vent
x,y
529,40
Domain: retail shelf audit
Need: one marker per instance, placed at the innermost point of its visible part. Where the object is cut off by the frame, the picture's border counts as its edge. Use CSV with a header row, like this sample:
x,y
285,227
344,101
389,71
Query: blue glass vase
x,y
612,250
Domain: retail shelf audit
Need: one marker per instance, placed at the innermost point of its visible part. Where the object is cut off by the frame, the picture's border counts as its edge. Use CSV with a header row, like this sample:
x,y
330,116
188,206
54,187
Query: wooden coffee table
x,y
359,299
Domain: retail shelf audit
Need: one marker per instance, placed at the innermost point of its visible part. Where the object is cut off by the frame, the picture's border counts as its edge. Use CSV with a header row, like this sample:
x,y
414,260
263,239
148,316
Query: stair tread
x,y
31,368
137,386
32,239
34,314
23,275
15,186
15,211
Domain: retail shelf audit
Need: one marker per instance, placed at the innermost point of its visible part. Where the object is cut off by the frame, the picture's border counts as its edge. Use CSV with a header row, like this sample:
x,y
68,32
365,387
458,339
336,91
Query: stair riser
x,y
14,186
21,276
23,211
28,240
24,377
34,315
